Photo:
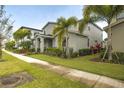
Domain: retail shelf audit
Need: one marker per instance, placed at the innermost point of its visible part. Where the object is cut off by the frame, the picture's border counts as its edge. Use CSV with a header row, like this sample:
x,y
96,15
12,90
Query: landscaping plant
x,y
93,13
61,29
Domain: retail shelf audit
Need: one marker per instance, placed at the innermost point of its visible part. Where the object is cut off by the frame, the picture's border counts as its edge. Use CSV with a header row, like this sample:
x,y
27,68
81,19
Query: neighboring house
x,y
44,38
117,33
33,32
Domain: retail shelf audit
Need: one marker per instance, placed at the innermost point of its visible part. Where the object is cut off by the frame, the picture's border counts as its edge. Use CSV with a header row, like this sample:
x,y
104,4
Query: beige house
x,y
117,33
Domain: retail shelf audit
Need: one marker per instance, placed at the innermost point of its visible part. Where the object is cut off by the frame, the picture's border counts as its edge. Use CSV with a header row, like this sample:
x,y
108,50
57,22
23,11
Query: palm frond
x,y
61,21
56,29
82,25
72,21
117,9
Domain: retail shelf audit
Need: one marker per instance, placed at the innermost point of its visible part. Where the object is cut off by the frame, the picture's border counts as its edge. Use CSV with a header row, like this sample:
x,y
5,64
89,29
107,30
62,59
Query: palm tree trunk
x,y
67,48
109,43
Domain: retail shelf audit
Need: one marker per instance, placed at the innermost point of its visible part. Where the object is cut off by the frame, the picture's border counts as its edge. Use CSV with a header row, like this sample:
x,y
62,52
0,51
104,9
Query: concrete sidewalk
x,y
93,80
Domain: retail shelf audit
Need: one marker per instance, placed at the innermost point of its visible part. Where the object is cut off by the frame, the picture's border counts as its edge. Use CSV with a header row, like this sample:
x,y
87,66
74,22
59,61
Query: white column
x,y
42,45
36,45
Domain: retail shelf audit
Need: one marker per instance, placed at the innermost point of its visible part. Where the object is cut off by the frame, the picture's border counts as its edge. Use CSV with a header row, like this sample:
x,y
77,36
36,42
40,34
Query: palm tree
x,y
105,13
21,34
62,29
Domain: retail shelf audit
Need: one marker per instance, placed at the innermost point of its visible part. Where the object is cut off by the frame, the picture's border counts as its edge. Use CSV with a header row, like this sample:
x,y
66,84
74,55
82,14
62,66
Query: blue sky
x,y
37,16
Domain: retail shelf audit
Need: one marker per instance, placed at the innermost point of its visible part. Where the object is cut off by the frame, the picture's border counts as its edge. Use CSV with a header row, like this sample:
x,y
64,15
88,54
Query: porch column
x,y
42,45
36,45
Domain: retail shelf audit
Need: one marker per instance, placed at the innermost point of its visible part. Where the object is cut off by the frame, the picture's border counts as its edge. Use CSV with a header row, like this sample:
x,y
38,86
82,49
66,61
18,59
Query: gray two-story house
x,y
44,38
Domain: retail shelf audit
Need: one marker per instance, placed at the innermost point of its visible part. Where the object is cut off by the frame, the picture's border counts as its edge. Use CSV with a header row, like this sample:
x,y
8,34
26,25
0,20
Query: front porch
x,y
42,42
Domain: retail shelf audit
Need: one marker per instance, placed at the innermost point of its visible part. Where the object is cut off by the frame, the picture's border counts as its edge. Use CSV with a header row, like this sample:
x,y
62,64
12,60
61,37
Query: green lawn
x,y
42,77
83,63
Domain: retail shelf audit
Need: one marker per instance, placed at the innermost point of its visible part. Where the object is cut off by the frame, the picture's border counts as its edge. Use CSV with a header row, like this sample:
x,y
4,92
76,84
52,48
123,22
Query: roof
x,y
114,24
97,26
93,24
78,34
48,24
72,33
30,28
78,21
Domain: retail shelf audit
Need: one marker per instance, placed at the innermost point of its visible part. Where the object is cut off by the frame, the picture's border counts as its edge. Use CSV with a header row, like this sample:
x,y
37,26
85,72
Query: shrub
x,y
10,45
74,54
120,56
26,45
20,51
32,50
115,59
83,52
53,51
70,52
38,50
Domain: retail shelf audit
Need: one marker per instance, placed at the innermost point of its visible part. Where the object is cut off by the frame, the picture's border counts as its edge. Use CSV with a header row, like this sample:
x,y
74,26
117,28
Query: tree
x,y
21,34
10,45
26,45
5,27
62,29
105,13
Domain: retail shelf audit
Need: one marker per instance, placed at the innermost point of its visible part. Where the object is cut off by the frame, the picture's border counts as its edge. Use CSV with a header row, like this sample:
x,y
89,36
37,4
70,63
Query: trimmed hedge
x,y
53,51
19,51
74,54
83,52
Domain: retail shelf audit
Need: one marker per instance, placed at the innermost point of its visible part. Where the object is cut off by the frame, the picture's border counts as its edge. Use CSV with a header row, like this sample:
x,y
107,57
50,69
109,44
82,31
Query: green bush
x,y
19,51
115,59
74,54
10,45
53,51
83,52
32,50
26,45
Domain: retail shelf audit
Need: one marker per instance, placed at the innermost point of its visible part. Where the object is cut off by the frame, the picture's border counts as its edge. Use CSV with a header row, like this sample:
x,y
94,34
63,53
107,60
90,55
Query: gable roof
x,y
48,24
30,28
114,24
93,24
73,32
78,34
78,21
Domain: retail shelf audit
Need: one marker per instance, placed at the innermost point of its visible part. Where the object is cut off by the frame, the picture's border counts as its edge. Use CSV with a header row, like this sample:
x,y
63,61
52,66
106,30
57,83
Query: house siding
x,y
49,29
91,31
93,34
118,37
77,42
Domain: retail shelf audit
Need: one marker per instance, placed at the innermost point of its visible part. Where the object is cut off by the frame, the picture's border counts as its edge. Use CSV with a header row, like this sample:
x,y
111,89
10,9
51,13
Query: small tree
x,y
10,45
21,34
62,29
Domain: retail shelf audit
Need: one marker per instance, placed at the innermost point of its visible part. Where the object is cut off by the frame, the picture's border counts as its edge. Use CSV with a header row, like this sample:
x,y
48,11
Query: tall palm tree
x,y
62,29
105,13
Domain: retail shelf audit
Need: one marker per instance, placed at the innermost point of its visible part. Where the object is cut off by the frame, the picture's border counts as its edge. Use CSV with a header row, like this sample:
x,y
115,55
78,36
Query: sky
x,y
36,16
